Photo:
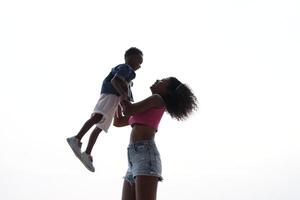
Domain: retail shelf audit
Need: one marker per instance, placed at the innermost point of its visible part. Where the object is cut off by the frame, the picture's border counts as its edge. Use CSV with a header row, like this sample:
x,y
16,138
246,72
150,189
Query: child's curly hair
x,y
180,100
132,51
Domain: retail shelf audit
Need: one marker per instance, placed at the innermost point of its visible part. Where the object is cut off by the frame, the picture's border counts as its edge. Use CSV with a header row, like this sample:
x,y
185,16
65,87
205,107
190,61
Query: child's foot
x,y
87,160
75,145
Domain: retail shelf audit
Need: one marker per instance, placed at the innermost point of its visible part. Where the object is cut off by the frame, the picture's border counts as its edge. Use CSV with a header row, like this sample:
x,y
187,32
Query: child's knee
x,y
96,117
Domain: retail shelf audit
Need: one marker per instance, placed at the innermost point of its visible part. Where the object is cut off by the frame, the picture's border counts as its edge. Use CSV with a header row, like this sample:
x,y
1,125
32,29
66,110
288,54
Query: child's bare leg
x,y
95,118
92,140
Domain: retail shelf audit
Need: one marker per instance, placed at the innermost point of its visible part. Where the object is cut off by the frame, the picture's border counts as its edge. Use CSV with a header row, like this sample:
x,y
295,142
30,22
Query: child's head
x,y
178,97
134,57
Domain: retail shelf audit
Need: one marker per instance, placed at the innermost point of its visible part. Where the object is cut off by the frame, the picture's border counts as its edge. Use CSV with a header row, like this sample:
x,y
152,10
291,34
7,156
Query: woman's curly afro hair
x,y
180,100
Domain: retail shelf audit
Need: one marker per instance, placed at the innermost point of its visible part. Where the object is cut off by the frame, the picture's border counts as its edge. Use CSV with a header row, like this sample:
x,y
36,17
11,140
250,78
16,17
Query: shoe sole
x,y
77,154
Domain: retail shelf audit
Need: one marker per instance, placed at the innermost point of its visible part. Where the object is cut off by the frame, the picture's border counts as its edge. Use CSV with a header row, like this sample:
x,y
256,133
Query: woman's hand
x,y
118,112
119,119
126,107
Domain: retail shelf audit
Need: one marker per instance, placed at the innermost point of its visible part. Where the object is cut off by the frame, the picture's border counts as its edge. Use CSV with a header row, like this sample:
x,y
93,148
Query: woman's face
x,y
160,86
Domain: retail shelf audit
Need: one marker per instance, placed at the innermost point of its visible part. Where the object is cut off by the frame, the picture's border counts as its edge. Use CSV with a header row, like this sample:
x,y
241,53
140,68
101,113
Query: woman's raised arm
x,y
154,101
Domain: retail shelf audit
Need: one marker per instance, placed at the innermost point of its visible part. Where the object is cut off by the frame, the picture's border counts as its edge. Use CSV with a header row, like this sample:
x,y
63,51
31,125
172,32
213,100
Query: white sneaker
x,y
87,160
75,145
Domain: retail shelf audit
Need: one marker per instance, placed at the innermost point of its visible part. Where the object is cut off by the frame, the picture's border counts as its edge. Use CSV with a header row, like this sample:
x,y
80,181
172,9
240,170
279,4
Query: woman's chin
x,y
151,88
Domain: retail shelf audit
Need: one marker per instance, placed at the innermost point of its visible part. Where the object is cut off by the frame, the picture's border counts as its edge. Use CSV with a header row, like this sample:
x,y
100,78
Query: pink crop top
x,y
149,117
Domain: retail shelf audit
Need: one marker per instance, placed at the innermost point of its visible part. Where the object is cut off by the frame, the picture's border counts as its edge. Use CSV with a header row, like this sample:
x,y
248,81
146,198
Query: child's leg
x,y
95,118
92,140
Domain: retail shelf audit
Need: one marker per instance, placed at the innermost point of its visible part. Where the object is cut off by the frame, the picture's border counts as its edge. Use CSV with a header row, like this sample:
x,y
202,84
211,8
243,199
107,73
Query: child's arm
x,y
120,120
154,101
121,86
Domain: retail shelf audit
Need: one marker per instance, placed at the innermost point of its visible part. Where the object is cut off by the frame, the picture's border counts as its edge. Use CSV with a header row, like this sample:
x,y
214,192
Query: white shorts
x,y
106,106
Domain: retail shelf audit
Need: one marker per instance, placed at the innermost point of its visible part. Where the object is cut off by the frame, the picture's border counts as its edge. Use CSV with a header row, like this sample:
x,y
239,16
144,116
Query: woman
x,y
144,169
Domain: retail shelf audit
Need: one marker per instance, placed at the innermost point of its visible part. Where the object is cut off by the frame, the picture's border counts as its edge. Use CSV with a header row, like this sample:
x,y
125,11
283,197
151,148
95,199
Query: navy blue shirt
x,y
123,71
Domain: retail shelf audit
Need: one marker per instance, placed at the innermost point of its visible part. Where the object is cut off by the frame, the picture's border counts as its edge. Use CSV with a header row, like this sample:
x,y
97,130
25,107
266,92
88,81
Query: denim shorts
x,y
143,159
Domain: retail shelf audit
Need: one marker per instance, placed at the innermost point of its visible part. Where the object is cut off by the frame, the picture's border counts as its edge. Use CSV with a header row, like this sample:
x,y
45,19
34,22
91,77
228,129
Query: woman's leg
x,y
95,118
128,192
146,187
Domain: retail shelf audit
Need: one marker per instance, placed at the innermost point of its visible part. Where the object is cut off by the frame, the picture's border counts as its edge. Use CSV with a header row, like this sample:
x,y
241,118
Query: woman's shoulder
x,y
157,101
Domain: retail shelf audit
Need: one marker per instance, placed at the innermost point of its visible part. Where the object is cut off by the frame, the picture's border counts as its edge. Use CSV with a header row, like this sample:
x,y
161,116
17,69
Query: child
x,y
144,163
115,88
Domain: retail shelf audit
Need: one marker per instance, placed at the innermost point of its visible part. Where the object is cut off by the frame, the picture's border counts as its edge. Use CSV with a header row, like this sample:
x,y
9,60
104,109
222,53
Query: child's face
x,y
135,61
160,86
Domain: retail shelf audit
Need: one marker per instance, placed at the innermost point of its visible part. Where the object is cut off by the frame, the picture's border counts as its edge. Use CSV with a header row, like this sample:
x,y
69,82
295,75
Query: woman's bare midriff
x,y
141,132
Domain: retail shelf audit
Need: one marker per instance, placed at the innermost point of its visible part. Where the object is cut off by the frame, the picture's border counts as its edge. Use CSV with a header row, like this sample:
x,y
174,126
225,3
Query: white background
x,y
241,58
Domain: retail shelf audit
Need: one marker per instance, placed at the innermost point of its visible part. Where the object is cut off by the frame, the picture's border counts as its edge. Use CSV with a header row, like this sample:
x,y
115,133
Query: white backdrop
x,y
241,58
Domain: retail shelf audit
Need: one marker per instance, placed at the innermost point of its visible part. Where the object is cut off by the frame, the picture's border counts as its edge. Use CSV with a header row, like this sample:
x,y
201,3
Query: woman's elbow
x,y
120,123
116,124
